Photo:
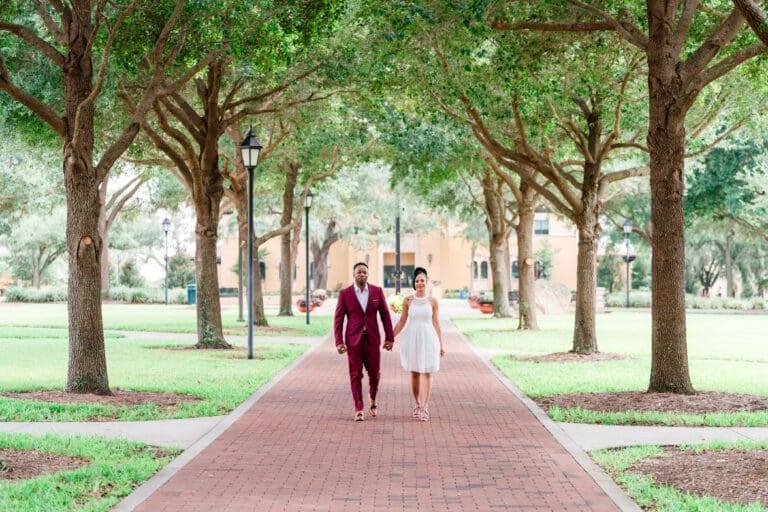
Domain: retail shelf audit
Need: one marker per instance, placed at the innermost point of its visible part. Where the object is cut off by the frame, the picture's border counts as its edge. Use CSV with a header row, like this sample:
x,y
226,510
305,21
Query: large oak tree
x,y
77,38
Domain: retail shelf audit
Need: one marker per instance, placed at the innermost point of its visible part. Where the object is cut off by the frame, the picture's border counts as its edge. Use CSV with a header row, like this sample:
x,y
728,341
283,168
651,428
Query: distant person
x,y
360,304
422,342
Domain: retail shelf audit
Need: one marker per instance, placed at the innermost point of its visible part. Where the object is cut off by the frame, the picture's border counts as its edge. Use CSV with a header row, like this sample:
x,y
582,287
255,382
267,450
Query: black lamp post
x,y
397,253
307,206
628,257
166,228
240,282
250,150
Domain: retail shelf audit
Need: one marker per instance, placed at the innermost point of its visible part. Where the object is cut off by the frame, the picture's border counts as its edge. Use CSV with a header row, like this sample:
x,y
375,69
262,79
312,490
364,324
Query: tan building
x,y
446,255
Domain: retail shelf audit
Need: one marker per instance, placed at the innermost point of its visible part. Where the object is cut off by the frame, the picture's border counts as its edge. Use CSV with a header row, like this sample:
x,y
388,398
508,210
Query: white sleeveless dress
x,y
420,346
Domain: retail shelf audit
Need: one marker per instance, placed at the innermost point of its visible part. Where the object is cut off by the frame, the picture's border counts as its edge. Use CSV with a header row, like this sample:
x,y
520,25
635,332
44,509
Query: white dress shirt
x,y
362,296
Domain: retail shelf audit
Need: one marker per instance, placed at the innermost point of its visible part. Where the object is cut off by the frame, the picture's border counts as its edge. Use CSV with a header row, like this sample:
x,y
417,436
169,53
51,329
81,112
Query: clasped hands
x,y
343,348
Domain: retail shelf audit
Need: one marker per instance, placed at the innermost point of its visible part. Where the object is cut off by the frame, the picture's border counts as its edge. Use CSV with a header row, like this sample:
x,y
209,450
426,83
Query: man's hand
x,y
341,348
388,345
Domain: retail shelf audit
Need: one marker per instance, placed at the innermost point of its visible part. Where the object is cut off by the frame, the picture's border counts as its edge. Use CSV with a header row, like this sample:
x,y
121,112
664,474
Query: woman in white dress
x,y
422,342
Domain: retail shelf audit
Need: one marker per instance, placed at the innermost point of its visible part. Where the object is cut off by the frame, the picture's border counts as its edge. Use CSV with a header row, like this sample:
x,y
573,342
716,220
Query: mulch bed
x,y
698,403
572,357
24,464
119,398
734,476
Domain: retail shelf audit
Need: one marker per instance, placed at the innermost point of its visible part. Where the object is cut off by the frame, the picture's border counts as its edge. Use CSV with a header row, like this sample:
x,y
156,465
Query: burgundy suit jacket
x,y
357,319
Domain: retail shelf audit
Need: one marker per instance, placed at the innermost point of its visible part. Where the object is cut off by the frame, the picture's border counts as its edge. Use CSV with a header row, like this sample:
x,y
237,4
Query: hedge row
x,y
642,299
119,294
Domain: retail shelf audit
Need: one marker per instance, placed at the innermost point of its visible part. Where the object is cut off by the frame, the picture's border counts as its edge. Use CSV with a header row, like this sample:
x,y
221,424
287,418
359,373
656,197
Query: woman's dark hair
x,y
416,272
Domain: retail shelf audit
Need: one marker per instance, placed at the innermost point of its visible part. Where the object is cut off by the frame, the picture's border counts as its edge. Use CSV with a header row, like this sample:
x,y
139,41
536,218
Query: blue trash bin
x,y
191,293
462,294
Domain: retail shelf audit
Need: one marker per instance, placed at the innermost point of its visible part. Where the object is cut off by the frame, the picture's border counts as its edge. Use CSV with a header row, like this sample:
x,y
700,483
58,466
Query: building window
x,y
541,226
263,270
483,270
515,272
474,269
406,271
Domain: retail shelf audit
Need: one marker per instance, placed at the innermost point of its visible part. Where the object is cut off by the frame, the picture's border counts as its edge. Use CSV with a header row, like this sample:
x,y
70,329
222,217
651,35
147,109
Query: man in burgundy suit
x,y
360,304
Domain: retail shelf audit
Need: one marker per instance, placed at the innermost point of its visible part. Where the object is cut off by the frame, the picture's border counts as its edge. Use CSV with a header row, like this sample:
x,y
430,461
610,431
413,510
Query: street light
x,y
250,149
397,253
166,228
628,256
307,206
240,281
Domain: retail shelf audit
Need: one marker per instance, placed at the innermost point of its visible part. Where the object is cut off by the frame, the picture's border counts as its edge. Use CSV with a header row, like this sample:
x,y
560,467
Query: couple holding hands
x,y
422,341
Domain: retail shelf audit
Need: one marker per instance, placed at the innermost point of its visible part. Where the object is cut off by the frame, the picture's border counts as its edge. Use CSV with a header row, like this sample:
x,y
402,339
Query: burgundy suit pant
x,y
362,355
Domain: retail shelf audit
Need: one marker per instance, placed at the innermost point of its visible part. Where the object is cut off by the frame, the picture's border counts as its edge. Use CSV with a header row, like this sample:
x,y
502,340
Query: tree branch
x,y
38,107
32,38
50,24
623,26
756,18
724,66
724,34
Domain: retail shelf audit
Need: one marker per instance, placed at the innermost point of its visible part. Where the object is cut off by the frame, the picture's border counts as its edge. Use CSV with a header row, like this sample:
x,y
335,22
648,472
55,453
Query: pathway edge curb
x,y
605,482
145,490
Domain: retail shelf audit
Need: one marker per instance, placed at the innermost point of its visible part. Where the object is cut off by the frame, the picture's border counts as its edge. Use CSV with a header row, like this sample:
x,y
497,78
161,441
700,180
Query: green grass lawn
x,y
727,352
162,318
34,339
114,469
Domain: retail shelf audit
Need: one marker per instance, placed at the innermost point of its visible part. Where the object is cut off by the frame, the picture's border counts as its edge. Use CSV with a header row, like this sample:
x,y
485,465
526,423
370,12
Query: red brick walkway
x,y
297,449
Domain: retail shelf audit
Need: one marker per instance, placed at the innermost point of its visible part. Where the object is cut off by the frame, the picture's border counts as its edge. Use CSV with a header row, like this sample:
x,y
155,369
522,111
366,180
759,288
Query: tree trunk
x,y
210,333
526,278
320,255
584,332
501,308
729,285
259,315
666,143
37,270
320,259
286,261
103,231
498,232
207,194
286,276
87,369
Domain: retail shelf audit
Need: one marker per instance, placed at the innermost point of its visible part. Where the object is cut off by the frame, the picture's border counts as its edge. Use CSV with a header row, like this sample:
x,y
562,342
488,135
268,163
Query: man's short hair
x,y
354,267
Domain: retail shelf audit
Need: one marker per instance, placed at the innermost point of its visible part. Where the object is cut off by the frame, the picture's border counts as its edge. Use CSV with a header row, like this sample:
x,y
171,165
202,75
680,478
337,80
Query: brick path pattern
x,y
297,448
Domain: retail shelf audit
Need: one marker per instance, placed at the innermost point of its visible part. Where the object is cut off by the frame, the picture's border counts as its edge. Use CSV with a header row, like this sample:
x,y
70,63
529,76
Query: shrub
x,y
139,296
637,299
395,303
24,294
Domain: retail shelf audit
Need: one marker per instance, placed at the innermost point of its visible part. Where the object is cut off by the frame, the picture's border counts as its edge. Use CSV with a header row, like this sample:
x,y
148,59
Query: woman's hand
x,y
442,351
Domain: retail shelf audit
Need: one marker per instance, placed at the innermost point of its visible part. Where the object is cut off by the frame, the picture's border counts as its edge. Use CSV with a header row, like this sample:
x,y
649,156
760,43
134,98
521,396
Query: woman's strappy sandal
x,y
424,416
372,410
359,416
417,412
